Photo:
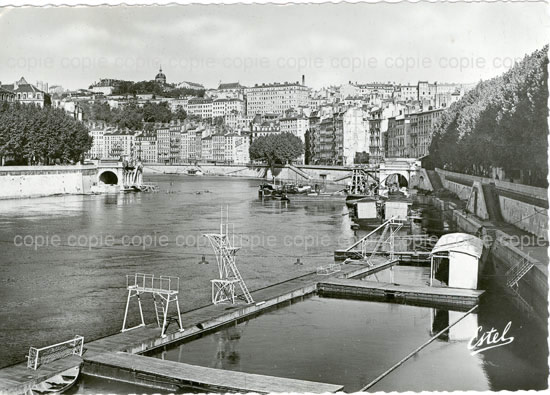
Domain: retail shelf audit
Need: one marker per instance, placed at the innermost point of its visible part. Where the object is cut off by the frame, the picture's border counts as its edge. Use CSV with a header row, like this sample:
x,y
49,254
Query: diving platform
x,y
401,293
176,376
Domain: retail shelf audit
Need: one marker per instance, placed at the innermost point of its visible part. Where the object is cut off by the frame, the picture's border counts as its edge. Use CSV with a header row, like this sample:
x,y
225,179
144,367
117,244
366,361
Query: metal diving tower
x,y
224,287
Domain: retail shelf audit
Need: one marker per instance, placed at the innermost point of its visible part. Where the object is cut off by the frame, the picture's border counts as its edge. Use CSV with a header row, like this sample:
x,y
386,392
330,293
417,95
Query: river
x,y
63,262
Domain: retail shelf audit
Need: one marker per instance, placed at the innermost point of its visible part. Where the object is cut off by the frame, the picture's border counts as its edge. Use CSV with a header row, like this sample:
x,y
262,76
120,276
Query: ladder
x,y
517,272
379,242
159,310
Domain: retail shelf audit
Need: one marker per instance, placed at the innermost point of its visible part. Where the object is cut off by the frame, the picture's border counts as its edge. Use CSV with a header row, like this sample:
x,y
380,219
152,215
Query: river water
x,y
63,262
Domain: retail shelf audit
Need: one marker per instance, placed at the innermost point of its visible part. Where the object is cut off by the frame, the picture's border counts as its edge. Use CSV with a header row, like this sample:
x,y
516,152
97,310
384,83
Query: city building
x,y
72,108
218,147
275,98
421,130
265,128
27,94
163,144
190,85
119,143
202,107
160,77
406,92
6,96
297,125
206,149
378,126
409,135
146,147
237,148
222,107
97,130
354,134
232,90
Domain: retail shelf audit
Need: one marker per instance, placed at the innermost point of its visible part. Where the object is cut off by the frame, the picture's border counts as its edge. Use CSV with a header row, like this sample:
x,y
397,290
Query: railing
x,y
38,356
516,273
150,283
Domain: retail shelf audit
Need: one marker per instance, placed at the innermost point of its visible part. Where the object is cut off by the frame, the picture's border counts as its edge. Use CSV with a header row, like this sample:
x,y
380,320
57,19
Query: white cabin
x,y
366,209
455,261
397,209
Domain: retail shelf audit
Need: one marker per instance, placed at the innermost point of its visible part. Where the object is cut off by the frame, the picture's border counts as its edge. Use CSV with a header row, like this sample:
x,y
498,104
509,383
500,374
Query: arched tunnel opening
x,y
397,179
109,178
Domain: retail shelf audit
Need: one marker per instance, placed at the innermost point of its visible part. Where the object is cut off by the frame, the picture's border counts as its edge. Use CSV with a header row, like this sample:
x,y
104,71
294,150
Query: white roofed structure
x,y
455,260
459,242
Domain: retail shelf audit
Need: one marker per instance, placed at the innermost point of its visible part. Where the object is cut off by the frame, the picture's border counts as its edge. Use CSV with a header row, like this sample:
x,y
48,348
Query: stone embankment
x,y
514,220
35,181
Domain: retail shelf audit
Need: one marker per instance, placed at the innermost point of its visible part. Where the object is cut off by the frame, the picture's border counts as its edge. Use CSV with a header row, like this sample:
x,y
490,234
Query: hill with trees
x,y
132,116
501,123
31,135
153,87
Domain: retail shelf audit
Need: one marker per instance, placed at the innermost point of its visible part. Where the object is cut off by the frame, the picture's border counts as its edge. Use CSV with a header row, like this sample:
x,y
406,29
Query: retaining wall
x,y
35,181
523,206
528,217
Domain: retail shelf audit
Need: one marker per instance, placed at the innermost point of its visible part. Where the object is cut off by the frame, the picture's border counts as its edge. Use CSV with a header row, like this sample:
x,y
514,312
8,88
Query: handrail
x,y
370,234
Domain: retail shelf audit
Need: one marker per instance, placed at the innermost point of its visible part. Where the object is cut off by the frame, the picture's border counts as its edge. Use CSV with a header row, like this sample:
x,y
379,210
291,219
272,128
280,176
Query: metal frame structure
x,y
389,230
54,352
164,289
224,287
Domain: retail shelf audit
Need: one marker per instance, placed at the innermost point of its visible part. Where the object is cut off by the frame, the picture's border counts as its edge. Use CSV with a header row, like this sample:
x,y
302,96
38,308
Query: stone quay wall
x,y
36,181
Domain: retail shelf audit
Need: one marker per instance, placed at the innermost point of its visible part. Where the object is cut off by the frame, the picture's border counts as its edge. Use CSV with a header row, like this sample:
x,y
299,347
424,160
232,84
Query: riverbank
x,y
508,247
18,182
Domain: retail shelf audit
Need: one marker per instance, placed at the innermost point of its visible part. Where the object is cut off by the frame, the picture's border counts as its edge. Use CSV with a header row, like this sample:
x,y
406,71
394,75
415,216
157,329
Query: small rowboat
x,y
58,383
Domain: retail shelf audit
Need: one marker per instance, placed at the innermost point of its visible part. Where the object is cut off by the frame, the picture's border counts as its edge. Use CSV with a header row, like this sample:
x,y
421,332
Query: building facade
x,y
146,147
275,98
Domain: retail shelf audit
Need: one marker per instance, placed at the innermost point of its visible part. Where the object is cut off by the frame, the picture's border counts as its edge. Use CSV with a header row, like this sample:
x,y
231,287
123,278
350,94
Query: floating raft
x,y
174,376
403,256
444,296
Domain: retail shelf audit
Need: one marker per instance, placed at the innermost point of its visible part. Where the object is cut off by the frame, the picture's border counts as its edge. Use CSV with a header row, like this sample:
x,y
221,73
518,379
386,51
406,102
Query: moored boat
x,y
58,383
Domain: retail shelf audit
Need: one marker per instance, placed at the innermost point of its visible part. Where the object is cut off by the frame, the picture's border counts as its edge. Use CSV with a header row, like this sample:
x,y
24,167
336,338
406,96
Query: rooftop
x,y
230,85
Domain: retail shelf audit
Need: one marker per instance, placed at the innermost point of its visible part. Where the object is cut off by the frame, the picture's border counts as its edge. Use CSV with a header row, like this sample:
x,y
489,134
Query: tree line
x,y
153,87
31,135
501,123
131,115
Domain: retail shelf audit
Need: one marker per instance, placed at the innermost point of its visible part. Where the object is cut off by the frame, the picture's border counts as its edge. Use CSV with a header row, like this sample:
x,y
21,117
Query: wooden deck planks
x,y
148,337
419,289
208,377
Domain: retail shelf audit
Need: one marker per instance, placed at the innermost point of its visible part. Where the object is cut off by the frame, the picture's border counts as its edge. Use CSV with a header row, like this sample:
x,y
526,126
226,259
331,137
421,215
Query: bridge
x,y
401,170
122,174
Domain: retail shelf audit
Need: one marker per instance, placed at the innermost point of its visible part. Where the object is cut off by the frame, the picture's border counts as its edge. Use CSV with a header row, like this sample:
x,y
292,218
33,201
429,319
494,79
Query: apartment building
x,y
118,143
146,147
202,107
275,98
409,135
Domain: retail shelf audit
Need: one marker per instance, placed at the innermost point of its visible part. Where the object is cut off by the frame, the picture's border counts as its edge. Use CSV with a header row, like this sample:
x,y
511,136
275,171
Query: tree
x,y
179,114
276,149
502,122
153,112
30,135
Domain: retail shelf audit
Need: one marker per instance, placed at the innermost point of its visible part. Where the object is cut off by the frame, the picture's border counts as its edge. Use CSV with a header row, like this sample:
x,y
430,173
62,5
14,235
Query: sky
x,y
329,44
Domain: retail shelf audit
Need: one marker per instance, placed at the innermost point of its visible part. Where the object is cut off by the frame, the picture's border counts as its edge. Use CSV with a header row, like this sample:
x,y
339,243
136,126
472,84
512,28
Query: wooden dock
x,y
434,296
178,377
403,256
18,379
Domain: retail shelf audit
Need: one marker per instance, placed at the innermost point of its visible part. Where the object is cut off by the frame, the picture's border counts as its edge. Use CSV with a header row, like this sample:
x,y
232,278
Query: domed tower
x,y
160,77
